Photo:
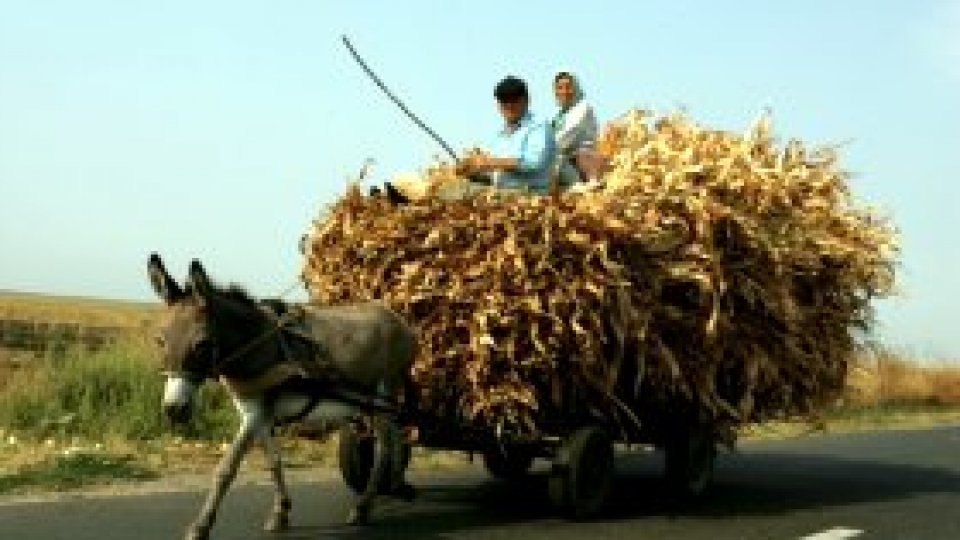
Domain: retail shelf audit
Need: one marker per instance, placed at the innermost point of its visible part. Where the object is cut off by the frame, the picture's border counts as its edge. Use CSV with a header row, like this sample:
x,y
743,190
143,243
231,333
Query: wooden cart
x,y
581,456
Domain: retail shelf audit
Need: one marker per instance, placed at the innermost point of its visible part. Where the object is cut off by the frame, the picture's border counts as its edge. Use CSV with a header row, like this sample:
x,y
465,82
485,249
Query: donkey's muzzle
x,y
177,413
177,398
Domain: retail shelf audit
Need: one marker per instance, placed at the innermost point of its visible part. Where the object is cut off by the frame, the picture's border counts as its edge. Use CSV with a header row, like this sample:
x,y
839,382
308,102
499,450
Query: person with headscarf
x,y
574,128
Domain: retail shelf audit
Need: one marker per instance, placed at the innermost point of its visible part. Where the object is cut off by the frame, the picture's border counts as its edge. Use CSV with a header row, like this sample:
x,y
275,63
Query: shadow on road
x,y
769,484
759,484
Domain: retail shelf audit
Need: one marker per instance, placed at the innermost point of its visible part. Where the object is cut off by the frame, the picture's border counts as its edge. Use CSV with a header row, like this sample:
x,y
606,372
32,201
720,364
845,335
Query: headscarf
x,y
577,96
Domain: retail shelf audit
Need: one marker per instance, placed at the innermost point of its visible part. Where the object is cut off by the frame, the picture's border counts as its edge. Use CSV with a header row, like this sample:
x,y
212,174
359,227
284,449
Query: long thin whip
x,y
396,100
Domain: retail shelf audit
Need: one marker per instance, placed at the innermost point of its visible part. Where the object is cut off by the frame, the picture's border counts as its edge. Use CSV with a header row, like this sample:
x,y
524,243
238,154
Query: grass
x,y
883,376
885,389
112,393
75,470
72,418
75,418
851,418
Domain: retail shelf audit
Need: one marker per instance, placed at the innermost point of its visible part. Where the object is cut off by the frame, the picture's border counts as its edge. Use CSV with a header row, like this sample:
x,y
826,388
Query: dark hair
x,y
562,75
510,89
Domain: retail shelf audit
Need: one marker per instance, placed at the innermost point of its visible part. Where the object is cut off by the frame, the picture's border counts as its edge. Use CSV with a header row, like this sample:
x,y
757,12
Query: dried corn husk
x,y
715,273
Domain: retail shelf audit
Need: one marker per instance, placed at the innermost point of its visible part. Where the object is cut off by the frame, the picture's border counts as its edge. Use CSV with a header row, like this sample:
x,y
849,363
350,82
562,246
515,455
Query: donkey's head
x,y
186,335
207,331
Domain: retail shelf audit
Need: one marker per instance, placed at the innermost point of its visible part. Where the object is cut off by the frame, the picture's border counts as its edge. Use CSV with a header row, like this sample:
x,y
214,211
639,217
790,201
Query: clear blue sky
x,y
219,129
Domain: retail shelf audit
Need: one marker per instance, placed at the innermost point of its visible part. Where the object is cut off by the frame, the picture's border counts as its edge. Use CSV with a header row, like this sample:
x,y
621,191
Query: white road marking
x,y
836,533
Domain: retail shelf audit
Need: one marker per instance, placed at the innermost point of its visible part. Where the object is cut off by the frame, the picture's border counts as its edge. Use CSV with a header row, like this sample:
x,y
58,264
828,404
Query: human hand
x,y
464,166
476,162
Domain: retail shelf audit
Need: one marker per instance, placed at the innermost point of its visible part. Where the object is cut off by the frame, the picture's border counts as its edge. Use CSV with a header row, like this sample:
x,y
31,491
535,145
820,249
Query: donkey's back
x,y
368,344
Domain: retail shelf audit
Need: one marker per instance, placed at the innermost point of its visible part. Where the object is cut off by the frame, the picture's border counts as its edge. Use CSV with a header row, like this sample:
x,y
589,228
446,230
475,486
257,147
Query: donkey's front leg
x,y
279,519
252,425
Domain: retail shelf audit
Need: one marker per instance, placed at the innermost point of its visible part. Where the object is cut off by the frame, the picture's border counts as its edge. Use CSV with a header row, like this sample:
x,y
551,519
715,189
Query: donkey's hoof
x,y
405,492
277,523
359,515
197,532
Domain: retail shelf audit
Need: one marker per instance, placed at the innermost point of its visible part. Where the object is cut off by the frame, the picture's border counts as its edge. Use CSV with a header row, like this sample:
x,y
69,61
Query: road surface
x,y
882,485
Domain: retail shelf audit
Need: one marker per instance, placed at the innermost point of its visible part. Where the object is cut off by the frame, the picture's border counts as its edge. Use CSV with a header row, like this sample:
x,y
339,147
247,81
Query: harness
x,y
285,326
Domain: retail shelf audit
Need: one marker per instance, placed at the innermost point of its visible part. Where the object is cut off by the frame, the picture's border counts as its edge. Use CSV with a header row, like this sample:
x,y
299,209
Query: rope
x,y
289,289
396,100
281,321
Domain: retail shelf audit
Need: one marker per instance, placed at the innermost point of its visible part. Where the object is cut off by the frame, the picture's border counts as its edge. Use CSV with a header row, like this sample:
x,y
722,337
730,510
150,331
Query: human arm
x,y
485,163
532,155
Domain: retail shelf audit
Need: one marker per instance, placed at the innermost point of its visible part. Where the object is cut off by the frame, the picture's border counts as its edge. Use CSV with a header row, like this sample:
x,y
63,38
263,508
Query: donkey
x,y
321,367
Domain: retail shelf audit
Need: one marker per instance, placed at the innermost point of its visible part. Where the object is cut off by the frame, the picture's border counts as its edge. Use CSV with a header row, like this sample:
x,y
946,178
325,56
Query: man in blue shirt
x,y
521,156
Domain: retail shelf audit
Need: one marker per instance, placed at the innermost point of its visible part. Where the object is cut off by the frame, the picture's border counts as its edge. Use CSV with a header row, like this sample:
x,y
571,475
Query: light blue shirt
x,y
531,143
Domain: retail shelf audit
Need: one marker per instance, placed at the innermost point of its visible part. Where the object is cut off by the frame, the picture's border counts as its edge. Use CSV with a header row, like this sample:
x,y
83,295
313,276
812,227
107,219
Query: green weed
x,y
75,470
114,392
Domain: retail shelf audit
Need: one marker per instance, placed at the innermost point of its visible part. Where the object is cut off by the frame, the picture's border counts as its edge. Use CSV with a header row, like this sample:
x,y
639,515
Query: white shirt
x,y
577,130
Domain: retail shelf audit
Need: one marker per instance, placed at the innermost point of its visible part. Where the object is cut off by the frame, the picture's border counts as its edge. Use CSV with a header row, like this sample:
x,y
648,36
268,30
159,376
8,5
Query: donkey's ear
x,y
164,285
199,281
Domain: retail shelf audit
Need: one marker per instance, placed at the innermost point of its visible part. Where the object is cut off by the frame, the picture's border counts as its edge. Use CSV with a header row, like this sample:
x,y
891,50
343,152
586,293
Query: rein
x,y
280,322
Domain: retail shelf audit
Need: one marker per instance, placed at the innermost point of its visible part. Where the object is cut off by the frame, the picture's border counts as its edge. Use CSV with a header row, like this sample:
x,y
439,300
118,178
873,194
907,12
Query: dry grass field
x,y
30,324
44,317
67,309
882,376
887,377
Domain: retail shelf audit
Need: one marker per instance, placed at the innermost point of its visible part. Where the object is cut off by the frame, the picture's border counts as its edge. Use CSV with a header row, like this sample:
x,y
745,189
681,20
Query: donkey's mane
x,y
237,294
232,292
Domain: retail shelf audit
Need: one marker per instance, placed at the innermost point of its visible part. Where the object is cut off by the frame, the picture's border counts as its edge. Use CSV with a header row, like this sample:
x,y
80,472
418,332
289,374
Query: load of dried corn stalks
x,y
714,273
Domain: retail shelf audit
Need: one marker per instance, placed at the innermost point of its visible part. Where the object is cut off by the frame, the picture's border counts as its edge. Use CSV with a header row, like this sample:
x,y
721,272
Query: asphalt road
x,y
888,485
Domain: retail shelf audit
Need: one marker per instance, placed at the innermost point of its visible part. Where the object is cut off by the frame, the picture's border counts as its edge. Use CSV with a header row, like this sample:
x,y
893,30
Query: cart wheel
x,y
689,459
355,457
511,463
582,473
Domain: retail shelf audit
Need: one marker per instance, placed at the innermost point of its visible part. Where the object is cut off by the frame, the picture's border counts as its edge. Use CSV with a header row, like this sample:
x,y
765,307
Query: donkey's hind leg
x,y
279,519
363,504
399,456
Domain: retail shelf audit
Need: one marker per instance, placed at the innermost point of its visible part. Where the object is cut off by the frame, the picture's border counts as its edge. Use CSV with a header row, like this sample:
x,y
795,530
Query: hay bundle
x,y
714,273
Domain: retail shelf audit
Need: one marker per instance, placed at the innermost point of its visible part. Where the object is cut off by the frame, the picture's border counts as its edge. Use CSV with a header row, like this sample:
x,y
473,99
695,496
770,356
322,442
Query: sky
x,y
219,130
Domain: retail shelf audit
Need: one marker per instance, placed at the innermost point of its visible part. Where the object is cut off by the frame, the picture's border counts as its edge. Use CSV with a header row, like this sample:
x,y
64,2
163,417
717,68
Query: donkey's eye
x,y
160,341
